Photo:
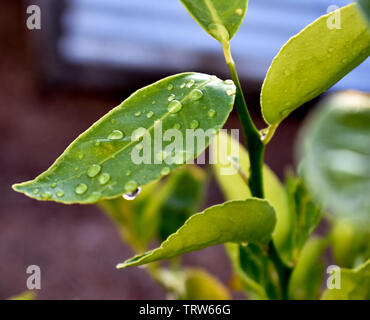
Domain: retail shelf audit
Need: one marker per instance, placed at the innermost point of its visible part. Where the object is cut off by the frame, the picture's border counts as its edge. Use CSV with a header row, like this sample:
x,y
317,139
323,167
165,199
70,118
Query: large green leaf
x,y
220,18
99,165
227,152
313,61
336,155
251,220
355,285
308,274
365,7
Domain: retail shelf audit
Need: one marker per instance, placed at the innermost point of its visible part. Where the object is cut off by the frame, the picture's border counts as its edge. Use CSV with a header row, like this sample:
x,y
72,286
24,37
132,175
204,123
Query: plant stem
x,y
254,143
256,150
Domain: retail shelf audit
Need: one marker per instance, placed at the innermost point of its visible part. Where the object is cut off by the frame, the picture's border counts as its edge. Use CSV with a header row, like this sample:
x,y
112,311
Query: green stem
x,y
256,150
254,143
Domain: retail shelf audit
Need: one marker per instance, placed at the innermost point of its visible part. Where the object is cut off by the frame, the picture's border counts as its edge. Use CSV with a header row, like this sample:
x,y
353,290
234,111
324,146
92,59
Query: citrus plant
x,y
267,227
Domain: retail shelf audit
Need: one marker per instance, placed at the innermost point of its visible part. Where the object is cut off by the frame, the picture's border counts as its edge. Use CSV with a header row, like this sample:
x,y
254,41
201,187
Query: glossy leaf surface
x,y
314,60
251,220
104,161
219,18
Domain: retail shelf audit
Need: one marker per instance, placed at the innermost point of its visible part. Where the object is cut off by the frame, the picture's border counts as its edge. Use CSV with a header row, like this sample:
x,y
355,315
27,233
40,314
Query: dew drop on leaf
x,y
93,170
194,124
211,113
138,114
53,185
165,171
132,195
35,191
196,95
190,83
81,188
104,178
45,195
150,114
116,135
170,86
174,106
60,193
171,97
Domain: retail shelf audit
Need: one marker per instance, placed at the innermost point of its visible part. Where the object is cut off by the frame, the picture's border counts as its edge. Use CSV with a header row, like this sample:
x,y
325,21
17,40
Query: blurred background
x,y
88,56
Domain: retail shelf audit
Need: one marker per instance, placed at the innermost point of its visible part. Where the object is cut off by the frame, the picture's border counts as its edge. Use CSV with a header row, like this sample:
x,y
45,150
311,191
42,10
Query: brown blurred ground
x,y
76,246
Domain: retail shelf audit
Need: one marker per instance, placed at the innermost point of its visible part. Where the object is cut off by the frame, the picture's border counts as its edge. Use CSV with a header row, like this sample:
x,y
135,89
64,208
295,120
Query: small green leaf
x,y
365,7
228,154
200,285
355,285
251,220
99,164
336,155
27,295
308,274
305,213
313,61
219,18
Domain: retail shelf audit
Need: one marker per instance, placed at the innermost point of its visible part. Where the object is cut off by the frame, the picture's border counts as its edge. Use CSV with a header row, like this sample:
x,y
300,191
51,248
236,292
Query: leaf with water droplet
x,y
108,148
251,220
335,155
219,18
307,77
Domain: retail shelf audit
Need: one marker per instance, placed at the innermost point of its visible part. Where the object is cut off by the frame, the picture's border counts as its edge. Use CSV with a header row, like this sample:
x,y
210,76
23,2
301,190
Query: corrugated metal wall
x,y
160,34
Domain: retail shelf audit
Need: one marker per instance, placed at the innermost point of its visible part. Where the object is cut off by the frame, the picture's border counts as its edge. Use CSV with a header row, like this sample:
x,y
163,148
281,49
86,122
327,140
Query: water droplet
x,y
219,32
331,49
97,143
174,106
165,171
138,134
190,83
104,178
35,191
288,103
287,72
211,113
196,94
130,186
138,114
345,60
113,121
231,92
53,185
132,195
45,195
81,188
171,97
182,85
76,168
128,173
80,156
170,86
150,114
153,102
229,82
116,135
176,126
60,193
239,11
93,170
194,124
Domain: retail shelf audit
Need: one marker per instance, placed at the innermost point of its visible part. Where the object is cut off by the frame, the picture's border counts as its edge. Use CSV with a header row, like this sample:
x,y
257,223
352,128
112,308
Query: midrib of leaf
x,y
213,12
166,115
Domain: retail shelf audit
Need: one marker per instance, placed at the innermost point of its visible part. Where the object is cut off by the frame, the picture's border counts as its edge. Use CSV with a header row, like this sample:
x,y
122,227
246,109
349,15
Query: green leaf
x,y
227,153
251,220
99,164
308,274
355,285
27,295
365,7
313,61
336,155
219,18
200,285
305,213
185,193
